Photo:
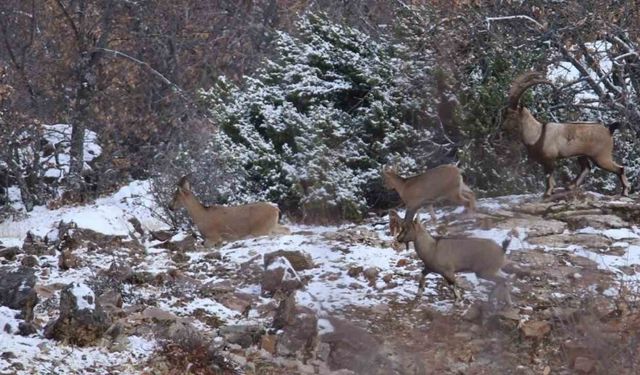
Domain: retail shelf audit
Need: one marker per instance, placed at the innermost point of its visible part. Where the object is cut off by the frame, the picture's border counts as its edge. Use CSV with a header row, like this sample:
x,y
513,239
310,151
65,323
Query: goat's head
x,y
182,193
388,173
409,231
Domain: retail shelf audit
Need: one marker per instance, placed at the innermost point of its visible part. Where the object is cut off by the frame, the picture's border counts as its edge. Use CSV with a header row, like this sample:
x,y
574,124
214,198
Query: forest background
x,y
302,102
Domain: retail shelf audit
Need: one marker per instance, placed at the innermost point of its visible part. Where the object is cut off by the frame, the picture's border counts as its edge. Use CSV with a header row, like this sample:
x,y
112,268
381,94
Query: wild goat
x,y
545,143
446,256
227,223
441,183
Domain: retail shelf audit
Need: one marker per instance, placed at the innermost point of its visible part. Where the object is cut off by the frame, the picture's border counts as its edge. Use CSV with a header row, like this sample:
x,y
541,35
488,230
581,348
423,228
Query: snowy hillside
x,y
352,276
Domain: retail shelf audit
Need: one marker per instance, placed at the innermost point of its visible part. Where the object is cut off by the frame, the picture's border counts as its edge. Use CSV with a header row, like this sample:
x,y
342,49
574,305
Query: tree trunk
x,y
84,95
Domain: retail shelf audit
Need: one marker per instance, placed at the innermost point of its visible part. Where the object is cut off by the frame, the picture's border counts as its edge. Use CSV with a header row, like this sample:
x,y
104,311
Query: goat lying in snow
x,y
446,256
441,183
545,143
227,223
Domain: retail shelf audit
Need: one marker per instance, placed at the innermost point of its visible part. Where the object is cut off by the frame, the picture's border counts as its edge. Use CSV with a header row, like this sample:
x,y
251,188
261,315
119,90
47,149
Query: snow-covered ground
x,y
329,288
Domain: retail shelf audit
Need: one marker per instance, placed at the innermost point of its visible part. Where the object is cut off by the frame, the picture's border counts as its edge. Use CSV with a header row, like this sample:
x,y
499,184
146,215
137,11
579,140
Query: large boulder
x,y
297,329
36,245
17,290
81,322
355,349
300,336
280,276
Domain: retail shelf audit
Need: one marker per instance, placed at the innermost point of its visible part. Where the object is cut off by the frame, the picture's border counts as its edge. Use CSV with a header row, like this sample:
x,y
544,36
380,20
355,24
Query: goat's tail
x,y
505,243
614,126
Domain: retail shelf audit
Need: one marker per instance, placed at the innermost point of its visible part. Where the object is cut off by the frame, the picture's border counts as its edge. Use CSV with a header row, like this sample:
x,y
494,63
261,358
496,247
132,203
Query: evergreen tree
x,y
313,127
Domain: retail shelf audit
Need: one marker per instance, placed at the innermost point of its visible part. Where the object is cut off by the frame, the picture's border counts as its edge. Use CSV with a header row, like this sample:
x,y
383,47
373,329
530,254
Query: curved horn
x,y
522,83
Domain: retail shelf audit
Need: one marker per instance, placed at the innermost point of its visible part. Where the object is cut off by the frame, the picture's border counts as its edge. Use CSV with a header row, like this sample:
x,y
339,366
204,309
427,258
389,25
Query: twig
x,y
519,16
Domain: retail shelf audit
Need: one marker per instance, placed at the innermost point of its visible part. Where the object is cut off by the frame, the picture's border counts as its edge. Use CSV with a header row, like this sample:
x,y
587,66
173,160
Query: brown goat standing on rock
x,y
446,256
227,223
545,143
441,183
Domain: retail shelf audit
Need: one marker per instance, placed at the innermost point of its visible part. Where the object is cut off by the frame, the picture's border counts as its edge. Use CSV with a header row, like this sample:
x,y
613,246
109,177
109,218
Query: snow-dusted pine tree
x,y
314,125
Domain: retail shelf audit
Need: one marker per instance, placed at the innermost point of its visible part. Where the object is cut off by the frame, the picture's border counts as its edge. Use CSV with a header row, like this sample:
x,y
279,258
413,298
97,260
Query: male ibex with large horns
x,y
227,223
545,143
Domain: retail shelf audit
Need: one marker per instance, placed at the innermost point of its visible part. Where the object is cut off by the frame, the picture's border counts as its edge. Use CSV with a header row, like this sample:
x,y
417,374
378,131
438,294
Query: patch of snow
x,y
85,299
108,215
616,234
325,326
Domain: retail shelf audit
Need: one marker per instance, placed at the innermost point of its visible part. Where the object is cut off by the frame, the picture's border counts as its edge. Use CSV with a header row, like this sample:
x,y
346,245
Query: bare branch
x,y
625,55
520,16
69,19
177,89
575,105
595,66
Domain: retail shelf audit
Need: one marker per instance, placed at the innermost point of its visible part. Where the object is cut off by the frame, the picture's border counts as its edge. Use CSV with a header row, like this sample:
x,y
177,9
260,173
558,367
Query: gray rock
x,y
285,313
354,349
596,221
10,253
298,259
591,241
371,274
35,245
137,225
240,302
189,243
162,235
67,260
300,335
243,335
535,226
17,290
29,261
280,277
81,322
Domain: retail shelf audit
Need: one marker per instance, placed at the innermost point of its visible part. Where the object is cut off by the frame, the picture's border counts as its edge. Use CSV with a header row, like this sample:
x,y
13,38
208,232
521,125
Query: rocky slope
x,y
105,288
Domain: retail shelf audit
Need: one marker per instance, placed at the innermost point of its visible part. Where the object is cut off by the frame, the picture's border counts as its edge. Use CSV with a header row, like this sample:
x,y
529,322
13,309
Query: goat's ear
x,y
184,184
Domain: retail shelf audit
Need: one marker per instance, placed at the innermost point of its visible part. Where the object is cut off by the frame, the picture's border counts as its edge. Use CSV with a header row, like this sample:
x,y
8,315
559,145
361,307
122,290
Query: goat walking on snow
x,y
441,183
227,223
447,256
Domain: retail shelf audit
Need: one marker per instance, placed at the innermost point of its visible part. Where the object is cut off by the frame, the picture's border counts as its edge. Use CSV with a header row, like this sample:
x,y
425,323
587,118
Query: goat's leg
x,y
608,164
471,201
451,279
585,168
500,284
551,182
410,214
468,197
432,212
423,279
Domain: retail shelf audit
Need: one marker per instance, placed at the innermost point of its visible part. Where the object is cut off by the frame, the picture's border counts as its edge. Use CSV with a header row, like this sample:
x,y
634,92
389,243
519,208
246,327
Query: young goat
x,y
441,183
446,256
227,223
545,143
